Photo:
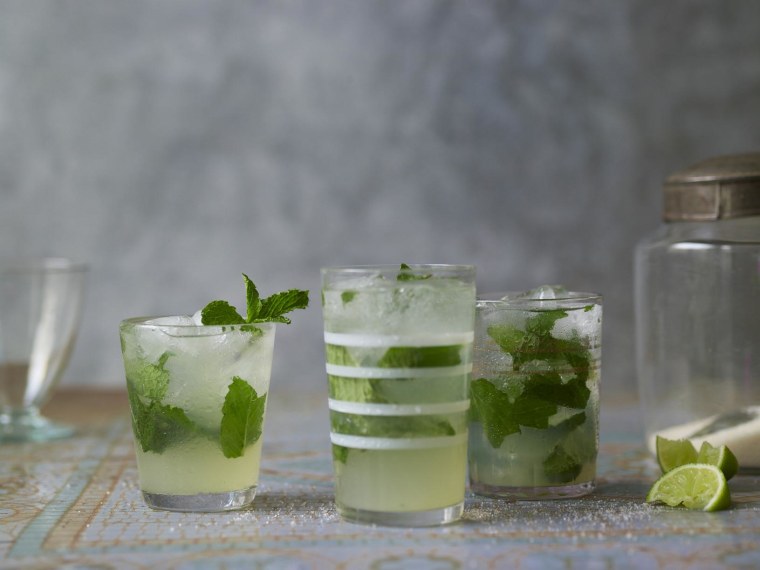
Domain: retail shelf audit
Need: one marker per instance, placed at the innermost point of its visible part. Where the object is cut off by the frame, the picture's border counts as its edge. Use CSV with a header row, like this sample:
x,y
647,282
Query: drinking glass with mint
x,y
535,394
197,390
398,345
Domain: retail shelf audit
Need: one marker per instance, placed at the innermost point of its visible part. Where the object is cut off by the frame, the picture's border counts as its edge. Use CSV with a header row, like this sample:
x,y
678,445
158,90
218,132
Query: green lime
x,y
672,453
695,486
721,457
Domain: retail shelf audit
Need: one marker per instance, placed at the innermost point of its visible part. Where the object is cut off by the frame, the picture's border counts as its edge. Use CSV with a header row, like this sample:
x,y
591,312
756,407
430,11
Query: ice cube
x,y
197,319
546,292
173,321
585,322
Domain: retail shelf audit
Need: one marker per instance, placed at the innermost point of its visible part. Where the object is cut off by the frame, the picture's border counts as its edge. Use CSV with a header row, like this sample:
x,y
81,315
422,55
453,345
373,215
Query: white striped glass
x,y
398,346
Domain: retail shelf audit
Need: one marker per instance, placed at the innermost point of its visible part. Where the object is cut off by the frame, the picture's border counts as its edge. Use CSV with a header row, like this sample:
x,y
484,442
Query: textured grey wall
x,y
174,144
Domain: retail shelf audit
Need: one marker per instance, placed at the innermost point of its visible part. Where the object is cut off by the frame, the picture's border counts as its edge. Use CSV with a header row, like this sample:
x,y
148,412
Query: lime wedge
x,y
721,457
672,453
695,486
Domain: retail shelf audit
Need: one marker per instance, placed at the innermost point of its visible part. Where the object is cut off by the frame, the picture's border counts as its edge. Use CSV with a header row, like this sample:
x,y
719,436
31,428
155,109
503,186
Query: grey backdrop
x,y
175,144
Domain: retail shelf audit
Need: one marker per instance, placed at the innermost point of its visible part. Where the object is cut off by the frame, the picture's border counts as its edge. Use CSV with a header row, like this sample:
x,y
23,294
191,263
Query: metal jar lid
x,y
713,189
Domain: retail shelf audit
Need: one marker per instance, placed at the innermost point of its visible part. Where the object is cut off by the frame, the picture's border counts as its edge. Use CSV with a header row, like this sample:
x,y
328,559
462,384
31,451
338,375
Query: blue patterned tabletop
x,y
76,504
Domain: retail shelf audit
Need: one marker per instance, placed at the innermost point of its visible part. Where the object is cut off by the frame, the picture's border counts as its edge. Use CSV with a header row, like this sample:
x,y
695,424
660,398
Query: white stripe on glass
x,y
391,340
383,443
373,409
367,372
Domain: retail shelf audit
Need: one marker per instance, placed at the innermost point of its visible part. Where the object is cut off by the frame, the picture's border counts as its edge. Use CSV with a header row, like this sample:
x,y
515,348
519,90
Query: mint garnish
x,y
533,390
242,418
406,273
269,310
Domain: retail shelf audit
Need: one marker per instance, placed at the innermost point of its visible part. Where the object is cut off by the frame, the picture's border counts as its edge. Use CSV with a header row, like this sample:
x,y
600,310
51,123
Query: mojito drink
x,y
398,347
197,396
535,395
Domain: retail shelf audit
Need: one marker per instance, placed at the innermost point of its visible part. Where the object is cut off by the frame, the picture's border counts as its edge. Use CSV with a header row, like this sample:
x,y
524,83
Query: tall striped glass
x,y
398,345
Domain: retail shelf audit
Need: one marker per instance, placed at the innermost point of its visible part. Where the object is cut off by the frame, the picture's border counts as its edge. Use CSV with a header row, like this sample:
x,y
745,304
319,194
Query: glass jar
x,y
697,304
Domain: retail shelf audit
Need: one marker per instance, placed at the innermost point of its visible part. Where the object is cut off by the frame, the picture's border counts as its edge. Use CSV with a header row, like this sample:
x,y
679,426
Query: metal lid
x,y
713,189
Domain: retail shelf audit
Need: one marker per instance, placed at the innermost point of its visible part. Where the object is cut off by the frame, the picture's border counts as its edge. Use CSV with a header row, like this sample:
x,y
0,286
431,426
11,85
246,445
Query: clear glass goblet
x,y
40,308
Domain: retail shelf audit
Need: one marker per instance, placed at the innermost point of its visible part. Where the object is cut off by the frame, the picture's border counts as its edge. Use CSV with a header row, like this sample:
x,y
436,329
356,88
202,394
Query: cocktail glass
x,y
535,394
40,307
197,396
398,350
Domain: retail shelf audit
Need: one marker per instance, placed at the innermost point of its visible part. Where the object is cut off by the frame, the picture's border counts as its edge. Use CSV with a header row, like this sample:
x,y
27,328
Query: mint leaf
x,y
340,453
346,296
391,426
274,306
339,355
252,300
561,466
533,412
406,273
421,357
543,322
269,310
353,389
220,313
255,331
151,381
155,425
569,424
492,408
508,338
548,386
242,418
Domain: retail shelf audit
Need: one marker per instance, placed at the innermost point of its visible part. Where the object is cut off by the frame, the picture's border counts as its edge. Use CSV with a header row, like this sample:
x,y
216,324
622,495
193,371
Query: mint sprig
x,y
269,310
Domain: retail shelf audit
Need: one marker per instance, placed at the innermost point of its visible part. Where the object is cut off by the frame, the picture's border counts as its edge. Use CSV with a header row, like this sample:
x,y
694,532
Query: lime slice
x,y
695,486
721,457
672,453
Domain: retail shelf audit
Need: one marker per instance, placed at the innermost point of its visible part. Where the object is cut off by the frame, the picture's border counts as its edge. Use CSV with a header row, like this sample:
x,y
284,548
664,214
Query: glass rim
x,y
145,322
511,298
396,267
30,265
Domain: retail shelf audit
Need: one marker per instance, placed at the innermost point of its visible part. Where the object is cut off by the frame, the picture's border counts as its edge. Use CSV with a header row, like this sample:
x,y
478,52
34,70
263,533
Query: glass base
x,y
533,493
202,502
433,517
29,425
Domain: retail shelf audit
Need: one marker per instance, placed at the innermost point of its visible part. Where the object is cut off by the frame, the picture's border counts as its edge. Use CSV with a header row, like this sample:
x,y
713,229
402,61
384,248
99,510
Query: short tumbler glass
x,y
398,345
40,308
197,396
535,395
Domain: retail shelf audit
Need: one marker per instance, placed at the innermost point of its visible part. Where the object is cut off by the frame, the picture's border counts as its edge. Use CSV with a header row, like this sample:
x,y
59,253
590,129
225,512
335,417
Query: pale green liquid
x,y
519,461
197,466
402,480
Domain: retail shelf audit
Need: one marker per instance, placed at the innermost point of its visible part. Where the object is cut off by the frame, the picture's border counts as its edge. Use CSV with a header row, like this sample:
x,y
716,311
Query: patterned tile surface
x,y
75,504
